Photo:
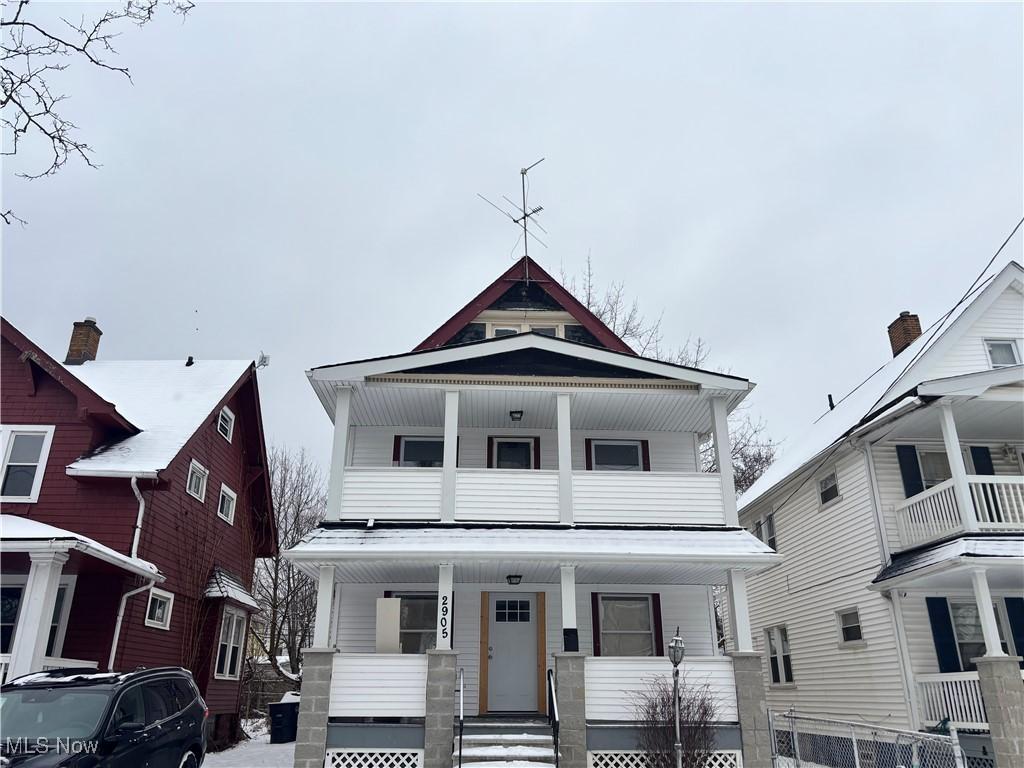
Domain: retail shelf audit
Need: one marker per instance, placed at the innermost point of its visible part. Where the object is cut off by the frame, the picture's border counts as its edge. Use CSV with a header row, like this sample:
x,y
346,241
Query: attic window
x,y
226,423
828,488
197,477
505,331
1002,352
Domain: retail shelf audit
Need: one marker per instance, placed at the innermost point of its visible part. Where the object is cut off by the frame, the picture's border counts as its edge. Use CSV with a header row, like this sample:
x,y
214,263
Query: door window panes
x,y
511,611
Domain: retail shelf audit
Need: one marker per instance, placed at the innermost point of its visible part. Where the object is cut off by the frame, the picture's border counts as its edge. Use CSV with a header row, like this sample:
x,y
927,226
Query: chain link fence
x,y
800,741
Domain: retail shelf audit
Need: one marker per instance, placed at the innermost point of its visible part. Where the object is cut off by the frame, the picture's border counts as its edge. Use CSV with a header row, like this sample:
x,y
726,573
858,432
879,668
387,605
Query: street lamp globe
x,y
676,650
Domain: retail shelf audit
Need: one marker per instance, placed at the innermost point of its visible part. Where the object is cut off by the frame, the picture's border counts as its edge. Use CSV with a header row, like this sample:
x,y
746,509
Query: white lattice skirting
x,y
374,758
635,759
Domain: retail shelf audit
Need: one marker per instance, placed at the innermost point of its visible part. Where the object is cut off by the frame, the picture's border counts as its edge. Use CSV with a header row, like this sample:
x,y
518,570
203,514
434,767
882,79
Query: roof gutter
x,y
120,617
138,518
148,475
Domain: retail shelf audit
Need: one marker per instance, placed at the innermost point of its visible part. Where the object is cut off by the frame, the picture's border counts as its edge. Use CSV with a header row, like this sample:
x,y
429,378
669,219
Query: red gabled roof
x,y
88,399
494,291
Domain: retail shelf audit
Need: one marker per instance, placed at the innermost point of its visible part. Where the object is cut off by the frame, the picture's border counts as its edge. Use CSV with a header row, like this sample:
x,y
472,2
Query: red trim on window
x,y
645,456
536,453
396,453
595,620
490,452
659,635
516,273
588,448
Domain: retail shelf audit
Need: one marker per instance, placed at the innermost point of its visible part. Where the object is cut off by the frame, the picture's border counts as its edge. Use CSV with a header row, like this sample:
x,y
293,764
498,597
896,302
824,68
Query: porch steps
x,y
511,746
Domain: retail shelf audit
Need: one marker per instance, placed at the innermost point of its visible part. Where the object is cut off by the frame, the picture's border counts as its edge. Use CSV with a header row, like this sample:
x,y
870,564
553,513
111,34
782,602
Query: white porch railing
x,y
933,514
693,498
49,662
378,685
393,493
612,683
506,494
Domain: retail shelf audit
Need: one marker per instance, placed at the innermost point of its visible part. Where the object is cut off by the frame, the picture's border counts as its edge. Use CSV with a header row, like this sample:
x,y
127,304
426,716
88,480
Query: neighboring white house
x,y
522,493
900,519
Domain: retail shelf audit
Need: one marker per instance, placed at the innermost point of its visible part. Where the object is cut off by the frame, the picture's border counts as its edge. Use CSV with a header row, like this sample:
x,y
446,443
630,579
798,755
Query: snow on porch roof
x,y
225,585
166,399
20,534
436,544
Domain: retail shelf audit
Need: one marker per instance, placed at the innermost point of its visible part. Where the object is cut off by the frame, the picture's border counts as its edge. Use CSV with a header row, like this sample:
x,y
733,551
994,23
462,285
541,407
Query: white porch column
x,y
39,599
451,454
723,455
957,468
339,451
445,579
987,613
570,631
324,596
564,459
739,612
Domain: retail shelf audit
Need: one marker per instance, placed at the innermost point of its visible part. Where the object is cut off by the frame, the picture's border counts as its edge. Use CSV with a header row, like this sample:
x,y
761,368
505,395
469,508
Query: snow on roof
x,y
225,585
883,388
581,544
965,546
20,534
166,399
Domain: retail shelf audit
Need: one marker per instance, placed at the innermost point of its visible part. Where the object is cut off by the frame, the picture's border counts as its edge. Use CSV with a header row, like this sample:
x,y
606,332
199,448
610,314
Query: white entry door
x,y
512,653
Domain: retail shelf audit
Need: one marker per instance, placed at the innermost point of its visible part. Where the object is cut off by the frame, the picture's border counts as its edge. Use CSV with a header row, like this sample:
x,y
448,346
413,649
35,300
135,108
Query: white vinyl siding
x,y
1004,319
832,553
684,606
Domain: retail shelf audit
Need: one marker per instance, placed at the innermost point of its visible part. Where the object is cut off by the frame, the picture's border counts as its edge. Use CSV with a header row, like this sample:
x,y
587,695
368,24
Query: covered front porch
x,y
961,608
48,572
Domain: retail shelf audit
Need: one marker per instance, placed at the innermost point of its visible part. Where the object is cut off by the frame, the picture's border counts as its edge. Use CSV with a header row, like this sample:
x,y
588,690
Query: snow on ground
x,y
257,752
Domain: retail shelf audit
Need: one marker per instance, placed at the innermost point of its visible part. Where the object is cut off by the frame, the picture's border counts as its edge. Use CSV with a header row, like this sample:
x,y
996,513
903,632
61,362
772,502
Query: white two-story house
x,y
900,519
517,525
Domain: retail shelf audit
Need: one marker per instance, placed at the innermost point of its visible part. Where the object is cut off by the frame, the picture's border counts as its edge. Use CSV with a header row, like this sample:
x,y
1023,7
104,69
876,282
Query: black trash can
x,y
284,722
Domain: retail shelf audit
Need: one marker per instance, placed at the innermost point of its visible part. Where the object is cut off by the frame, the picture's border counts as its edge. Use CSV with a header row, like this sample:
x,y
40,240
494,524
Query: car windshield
x,y
52,713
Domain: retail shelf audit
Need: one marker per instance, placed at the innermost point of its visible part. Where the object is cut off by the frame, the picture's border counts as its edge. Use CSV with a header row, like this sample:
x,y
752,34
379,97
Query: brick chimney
x,y
902,332
85,342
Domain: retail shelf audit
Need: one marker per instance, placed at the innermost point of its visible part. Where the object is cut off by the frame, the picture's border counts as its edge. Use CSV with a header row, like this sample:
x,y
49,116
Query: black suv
x,y
78,718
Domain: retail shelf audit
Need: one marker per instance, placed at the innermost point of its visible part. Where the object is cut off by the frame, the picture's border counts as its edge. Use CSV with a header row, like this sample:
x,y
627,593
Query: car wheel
x,y
188,760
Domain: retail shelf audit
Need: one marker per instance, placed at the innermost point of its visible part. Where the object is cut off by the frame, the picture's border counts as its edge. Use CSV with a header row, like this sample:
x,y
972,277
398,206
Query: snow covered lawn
x,y
257,752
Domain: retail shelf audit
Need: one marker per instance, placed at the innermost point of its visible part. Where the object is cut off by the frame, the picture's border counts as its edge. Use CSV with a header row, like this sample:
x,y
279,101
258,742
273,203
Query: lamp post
x,y
676,651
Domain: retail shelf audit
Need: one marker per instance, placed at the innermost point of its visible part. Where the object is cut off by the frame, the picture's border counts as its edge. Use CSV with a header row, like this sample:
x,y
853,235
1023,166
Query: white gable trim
x,y
972,384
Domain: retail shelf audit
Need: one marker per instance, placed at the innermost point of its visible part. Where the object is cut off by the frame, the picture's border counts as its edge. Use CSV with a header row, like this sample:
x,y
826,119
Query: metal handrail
x,y
553,719
462,709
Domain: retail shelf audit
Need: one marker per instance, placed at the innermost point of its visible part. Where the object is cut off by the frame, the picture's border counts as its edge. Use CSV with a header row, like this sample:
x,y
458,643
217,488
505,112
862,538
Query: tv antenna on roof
x,y
523,214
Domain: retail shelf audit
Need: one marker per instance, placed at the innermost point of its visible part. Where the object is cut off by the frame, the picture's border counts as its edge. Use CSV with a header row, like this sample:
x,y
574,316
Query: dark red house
x,y
135,499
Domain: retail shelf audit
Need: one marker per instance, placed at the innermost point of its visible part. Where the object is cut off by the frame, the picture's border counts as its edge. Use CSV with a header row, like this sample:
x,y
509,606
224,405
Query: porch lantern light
x,y
513,579
515,415
676,651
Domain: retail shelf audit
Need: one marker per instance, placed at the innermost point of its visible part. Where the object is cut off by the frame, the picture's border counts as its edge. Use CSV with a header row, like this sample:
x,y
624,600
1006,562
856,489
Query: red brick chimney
x,y
902,332
85,342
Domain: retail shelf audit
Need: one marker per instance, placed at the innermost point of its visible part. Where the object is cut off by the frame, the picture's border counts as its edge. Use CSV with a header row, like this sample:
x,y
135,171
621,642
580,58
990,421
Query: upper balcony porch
x,y
482,441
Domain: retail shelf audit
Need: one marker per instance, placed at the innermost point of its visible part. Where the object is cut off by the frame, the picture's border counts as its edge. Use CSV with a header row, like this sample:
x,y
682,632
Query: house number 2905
x,y
444,611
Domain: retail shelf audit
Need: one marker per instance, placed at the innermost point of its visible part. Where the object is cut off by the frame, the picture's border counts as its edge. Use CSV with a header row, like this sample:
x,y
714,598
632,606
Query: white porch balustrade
x,y
378,685
614,683
953,695
532,495
997,505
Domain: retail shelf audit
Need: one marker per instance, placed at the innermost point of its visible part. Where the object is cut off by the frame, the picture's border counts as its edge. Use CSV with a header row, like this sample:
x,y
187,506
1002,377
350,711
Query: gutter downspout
x,y
120,616
138,519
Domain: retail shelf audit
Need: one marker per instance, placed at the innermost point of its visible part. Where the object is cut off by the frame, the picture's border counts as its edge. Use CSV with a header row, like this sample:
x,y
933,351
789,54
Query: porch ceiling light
x,y
513,579
515,415
676,649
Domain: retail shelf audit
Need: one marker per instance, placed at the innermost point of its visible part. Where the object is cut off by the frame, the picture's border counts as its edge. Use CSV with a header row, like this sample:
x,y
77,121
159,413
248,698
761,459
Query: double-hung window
x,y
25,449
780,660
850,631
970,641
158,611
626,624
12,592
769,531
229,649
226,423
828,488
196,483
1002,352
617,455
417,623
421,451
226,504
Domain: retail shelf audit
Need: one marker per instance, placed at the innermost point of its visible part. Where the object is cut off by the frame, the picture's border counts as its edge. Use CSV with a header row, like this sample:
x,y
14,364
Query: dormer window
x,y
226,423
1002,352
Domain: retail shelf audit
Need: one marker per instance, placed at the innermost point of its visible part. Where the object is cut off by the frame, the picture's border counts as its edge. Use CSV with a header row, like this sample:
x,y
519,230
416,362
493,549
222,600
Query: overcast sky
x,y
301,179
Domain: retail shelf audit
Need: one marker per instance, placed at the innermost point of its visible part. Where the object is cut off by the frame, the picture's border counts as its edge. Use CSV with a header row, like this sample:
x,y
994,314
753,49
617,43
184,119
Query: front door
x,y
512,653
